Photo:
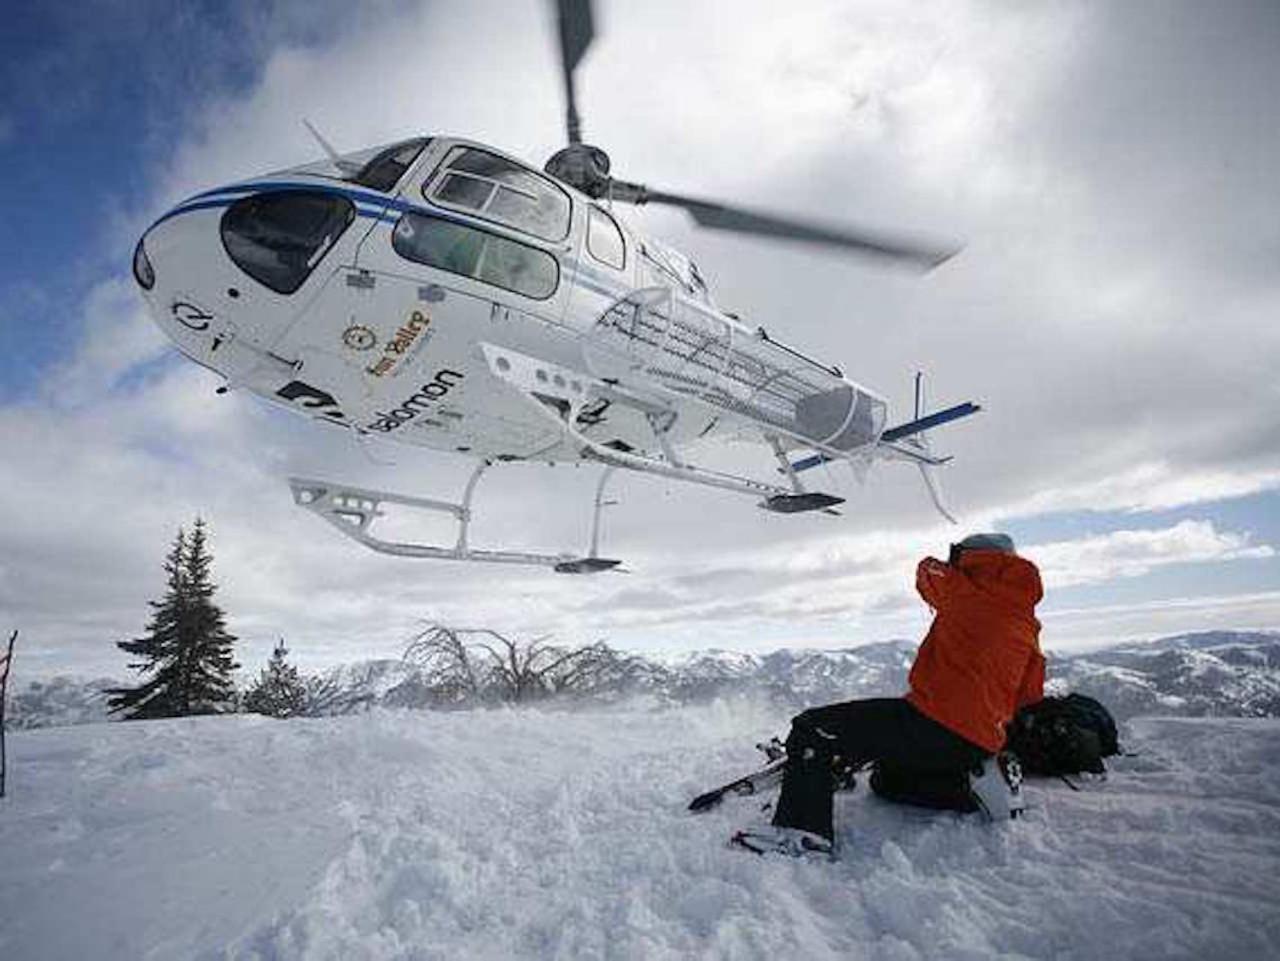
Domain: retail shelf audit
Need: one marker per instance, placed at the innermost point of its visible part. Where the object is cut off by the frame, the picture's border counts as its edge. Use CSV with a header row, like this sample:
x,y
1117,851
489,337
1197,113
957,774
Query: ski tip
x,y
705,802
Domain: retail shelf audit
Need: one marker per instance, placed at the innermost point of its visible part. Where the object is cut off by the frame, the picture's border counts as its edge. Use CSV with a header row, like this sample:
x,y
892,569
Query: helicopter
x,y
443,293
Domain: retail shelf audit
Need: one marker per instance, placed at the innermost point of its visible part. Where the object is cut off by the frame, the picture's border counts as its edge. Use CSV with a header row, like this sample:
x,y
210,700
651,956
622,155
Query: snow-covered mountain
x,y
1211,674
57,702
1220,673
787,676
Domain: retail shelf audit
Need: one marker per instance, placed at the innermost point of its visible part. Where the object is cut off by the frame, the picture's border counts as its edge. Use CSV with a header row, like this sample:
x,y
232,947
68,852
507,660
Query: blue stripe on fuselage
x,y
225,196
383,202
582,275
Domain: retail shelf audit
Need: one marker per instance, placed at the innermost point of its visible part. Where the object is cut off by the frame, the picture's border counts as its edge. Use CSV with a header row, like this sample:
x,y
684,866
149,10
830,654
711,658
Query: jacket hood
x,y
1008,578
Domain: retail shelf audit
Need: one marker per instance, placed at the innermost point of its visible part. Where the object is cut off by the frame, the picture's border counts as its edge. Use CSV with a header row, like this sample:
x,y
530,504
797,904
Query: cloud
x,y
117,338
1134,553
1150,487
863,587
985,116
1102,625
1109,311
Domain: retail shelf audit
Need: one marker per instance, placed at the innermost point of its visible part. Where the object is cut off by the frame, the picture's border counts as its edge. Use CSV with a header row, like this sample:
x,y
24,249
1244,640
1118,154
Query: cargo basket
x,y
661,337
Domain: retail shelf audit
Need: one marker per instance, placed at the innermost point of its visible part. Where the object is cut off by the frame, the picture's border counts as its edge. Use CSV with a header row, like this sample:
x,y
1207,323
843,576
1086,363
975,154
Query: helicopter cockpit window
x,y
385,169
604,239
278,238
497,189
478,254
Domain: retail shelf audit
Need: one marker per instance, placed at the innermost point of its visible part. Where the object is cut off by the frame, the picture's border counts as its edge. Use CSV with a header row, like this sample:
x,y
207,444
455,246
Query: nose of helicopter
x,y
193,290
224,272
183,247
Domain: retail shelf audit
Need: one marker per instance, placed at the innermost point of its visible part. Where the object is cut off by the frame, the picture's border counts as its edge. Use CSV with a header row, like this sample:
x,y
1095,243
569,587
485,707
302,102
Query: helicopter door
x,y
393,341
401,333
506,226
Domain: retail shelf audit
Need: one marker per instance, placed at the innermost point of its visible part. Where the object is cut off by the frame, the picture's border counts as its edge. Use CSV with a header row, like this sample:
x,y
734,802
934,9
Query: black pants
x,y
875,729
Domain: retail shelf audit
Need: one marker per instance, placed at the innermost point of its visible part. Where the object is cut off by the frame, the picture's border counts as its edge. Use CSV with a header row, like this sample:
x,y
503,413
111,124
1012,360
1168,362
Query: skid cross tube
x,y
600,504
785,463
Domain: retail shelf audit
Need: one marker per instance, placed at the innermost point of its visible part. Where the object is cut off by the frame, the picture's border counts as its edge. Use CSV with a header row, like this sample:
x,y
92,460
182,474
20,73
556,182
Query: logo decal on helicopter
x,y
191,316
359,337
409,339
312,398
418,403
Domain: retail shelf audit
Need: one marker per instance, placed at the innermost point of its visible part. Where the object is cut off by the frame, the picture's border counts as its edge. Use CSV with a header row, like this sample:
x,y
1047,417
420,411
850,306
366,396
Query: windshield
x,y
278,237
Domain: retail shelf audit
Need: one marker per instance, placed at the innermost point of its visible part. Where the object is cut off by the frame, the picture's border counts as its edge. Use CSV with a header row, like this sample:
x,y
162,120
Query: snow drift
x,y
551,834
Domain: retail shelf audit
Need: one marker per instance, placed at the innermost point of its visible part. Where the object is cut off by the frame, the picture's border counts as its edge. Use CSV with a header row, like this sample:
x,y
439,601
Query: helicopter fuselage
x,y
361,296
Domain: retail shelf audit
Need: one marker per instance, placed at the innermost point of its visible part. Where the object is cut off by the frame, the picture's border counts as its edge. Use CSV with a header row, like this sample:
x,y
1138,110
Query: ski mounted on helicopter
x,y
442,293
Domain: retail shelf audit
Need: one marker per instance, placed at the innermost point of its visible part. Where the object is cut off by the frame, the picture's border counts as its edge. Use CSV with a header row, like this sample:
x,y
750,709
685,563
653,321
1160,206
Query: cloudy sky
x,y
1110,168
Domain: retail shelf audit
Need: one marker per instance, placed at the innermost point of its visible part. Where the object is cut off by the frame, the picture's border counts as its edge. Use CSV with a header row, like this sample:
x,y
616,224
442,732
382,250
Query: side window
x,y
477,254
497,189
604,239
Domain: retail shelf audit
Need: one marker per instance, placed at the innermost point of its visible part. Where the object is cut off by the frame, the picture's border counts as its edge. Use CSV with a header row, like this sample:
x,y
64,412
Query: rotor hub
x,y
582,166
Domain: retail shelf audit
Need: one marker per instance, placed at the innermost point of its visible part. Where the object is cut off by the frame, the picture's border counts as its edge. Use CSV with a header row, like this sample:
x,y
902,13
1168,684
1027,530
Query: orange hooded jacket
x,y
981,659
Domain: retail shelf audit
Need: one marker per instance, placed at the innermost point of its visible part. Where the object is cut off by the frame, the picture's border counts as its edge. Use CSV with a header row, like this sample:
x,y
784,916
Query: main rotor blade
x,y
577,29
719,216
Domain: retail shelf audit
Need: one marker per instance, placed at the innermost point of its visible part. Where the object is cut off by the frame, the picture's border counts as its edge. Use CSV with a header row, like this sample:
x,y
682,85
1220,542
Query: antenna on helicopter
x,y
346,166
586,167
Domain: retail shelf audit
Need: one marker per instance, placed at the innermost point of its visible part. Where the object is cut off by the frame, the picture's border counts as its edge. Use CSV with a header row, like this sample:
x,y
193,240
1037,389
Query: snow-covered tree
x,y
279,691
186,651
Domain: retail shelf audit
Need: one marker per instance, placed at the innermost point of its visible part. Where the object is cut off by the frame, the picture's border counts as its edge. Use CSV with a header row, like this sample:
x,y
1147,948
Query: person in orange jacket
x,y
978,664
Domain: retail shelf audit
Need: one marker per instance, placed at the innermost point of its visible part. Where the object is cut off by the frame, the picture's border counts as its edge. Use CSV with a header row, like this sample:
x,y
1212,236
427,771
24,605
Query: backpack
x,y
1063,735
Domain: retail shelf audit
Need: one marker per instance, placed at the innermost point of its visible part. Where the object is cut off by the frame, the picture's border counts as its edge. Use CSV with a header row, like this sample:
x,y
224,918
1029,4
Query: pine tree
x,y
186,650
279,691
208,686
154,698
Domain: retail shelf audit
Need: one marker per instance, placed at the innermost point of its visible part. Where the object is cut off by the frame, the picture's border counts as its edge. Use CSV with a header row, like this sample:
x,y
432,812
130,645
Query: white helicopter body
x,y
391,347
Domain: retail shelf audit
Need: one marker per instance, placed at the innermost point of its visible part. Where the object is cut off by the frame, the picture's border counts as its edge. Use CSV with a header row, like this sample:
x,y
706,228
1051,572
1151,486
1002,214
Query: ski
x,y
783,841
762,780
843,774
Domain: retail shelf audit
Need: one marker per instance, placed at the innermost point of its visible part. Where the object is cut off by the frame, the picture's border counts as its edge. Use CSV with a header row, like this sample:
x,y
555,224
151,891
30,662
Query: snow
x,y
555,834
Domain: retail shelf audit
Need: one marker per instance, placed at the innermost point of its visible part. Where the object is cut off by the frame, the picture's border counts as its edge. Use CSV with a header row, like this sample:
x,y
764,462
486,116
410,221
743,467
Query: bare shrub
x,y
466,665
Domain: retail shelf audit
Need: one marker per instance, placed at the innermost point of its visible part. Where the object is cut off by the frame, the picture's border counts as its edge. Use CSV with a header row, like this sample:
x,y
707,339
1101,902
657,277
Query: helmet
x,y
982,542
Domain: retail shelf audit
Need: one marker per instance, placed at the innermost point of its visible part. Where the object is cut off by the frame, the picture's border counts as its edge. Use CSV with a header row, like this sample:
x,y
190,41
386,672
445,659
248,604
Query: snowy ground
x,y
541,834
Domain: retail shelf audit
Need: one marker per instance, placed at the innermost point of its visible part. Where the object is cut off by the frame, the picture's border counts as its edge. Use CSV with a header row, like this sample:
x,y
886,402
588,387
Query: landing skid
x,y
800,503
354,511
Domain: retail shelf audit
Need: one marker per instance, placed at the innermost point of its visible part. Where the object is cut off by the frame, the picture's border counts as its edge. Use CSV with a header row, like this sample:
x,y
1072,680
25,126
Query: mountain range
x,y
1217,673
